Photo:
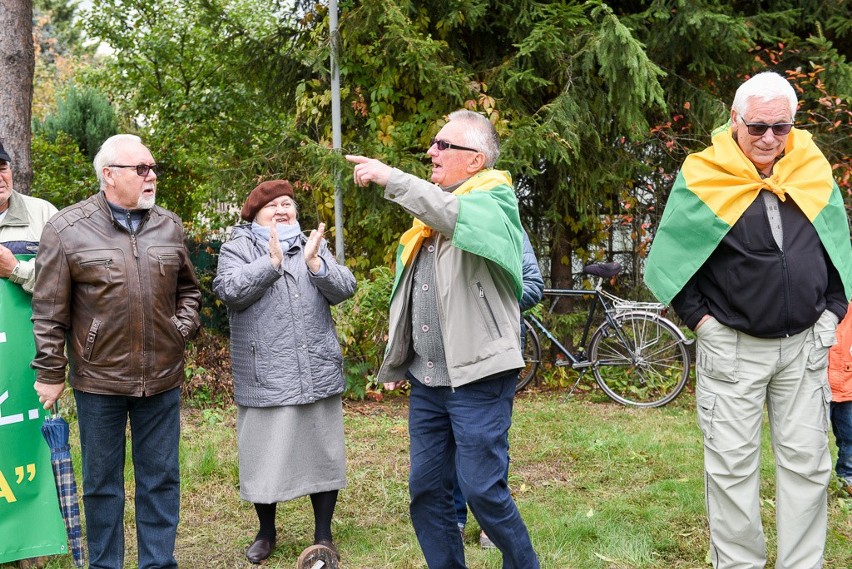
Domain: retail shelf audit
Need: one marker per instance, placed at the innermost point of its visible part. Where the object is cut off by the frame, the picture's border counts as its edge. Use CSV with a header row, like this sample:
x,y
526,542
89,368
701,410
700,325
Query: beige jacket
x,y
22,225
477,305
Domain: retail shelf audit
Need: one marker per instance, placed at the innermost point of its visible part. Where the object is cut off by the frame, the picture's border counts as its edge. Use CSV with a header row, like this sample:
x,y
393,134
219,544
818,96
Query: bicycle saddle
x,y
604,270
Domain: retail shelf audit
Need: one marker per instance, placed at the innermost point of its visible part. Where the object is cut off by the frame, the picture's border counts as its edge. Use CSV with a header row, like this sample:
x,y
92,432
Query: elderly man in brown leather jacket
x,y
116,289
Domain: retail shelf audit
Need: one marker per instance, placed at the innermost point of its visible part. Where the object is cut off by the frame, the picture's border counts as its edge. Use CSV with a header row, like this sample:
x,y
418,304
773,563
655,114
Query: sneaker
x,y
485,541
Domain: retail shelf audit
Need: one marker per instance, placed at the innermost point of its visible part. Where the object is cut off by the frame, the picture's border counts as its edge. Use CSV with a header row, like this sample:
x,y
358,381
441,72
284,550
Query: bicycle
x,y
638,357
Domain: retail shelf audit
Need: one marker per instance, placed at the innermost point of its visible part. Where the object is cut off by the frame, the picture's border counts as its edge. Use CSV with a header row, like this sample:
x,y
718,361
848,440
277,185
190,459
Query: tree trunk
x,y
561,259
17,64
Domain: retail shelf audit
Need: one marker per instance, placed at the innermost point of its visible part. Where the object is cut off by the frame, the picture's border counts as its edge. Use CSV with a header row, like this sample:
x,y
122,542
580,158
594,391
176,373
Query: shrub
x,y
62,175
207,370
85,115
362,324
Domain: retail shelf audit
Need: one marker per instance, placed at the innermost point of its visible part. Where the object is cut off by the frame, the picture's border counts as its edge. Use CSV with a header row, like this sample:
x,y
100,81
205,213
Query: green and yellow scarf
x,y
715,187
488,225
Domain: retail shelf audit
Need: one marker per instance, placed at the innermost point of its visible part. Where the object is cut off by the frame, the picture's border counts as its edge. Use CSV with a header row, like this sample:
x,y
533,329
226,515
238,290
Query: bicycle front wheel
x,y
643,362
532,356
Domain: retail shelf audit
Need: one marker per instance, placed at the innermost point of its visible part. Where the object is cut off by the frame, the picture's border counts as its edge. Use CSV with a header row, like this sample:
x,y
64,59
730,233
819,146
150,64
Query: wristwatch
x,y
14,276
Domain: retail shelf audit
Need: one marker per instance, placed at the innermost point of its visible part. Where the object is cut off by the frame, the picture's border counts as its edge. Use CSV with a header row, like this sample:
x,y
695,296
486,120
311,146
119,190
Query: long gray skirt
x,y
291,451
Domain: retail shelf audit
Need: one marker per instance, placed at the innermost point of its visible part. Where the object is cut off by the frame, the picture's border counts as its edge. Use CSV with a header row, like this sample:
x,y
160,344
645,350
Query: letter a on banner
x,y
30,521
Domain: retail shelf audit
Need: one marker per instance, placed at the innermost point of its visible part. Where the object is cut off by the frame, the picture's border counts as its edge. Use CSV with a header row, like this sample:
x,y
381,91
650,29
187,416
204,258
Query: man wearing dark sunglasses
x,y
115,287
455,336
753,253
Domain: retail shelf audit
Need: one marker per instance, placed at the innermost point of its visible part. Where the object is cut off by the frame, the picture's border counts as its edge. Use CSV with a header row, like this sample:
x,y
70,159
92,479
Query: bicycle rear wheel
x,y
532,356
645,363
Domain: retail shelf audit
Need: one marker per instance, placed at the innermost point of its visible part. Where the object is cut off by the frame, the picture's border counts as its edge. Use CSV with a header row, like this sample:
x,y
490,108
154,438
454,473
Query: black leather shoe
x,y
260,550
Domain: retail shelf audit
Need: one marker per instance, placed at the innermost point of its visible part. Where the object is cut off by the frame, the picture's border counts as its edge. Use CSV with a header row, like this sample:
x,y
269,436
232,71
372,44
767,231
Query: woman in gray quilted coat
x,y
286,359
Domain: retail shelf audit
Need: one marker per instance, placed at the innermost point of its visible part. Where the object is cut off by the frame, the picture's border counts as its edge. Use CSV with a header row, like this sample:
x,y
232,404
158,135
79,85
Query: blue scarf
x,y
288,235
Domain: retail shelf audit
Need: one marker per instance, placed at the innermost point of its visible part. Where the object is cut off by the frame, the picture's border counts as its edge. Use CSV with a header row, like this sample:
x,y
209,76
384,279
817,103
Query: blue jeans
x,y
461,503
841,424
155,436
464,431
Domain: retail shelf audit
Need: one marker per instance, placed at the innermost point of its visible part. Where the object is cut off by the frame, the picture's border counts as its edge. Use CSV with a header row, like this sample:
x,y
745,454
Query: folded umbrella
x,y
55,430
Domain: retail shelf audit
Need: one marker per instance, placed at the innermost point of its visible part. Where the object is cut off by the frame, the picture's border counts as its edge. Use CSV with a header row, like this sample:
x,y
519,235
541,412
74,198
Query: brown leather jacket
x,y
126,304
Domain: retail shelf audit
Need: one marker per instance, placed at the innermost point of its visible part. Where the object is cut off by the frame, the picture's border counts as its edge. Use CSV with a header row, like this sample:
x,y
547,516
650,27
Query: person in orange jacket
x,y
840,379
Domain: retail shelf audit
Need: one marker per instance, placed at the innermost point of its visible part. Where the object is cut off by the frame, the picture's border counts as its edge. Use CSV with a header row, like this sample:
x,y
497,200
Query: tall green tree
x,y
182,71
561,81
58,33
708,47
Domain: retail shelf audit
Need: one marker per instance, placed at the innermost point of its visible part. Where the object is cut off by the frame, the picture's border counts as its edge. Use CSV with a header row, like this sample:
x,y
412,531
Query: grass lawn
x,y
599,486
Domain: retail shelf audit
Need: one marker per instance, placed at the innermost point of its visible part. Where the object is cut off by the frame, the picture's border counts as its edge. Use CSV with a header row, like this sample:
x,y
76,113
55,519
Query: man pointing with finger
x,y
455,335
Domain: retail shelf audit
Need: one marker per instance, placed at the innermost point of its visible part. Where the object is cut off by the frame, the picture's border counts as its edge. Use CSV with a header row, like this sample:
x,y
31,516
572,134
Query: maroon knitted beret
x,y
264,193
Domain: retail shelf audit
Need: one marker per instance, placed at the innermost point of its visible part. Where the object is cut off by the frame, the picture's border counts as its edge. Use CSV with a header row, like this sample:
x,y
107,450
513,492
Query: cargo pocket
x,y
716,352
705,403
825,336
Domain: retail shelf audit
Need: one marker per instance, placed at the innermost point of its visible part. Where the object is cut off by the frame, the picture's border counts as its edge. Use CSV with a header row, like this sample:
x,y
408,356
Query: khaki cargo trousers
x,y
737,374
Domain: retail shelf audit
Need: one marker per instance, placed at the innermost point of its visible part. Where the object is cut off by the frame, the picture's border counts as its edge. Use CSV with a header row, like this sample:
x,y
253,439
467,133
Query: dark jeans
x,y
841,424
464,431
155,435
461,503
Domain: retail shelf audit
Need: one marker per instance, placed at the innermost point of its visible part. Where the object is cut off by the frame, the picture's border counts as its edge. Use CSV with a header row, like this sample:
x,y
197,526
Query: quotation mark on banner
x,y
26,472
19,472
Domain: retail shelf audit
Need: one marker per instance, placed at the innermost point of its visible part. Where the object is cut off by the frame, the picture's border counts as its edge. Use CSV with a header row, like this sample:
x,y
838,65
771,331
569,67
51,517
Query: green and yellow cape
x,y
714,188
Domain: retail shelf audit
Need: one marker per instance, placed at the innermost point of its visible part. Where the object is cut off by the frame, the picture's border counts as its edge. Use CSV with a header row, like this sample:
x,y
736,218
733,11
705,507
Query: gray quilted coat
x,y
284,349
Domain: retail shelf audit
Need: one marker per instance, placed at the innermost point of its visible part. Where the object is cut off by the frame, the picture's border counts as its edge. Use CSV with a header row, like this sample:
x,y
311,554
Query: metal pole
x,y
335,129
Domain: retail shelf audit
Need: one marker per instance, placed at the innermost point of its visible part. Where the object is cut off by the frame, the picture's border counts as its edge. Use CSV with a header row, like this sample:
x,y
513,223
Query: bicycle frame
x,y
579,361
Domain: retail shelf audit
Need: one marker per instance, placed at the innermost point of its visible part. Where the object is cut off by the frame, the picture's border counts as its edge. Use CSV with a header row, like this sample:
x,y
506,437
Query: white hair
x,y
483,135
766,86
108,154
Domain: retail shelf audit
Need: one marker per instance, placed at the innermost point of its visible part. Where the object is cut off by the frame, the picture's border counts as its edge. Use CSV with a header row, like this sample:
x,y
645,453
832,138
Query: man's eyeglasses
x,y
759,128
444,145
141,169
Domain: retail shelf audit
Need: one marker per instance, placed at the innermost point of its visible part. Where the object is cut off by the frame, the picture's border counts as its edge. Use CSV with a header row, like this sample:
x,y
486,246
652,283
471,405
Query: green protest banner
x,y
30,521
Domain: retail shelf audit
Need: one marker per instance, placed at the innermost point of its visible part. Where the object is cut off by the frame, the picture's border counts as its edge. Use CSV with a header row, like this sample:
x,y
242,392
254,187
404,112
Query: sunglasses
x,y
759,128
141,169
444,145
